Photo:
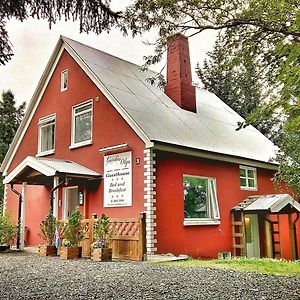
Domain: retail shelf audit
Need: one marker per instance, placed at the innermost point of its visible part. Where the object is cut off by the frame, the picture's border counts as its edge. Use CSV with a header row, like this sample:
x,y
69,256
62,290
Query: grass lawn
x,y
263,266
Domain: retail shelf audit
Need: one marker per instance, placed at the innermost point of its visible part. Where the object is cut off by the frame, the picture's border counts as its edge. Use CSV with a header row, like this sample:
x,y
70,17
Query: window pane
x,y
47,138
243,172
83,108
83,127
250,173
251,183
243,181
195,197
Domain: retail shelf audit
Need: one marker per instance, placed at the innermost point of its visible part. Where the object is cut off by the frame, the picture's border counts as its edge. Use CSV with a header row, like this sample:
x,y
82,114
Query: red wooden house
x,y
97,135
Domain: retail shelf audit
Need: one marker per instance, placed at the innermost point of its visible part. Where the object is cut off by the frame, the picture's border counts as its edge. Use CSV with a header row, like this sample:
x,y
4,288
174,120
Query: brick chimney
x,y
179,76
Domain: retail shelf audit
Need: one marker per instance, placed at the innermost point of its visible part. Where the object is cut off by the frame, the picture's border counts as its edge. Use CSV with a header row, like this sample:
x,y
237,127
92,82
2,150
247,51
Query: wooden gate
x,y
129,241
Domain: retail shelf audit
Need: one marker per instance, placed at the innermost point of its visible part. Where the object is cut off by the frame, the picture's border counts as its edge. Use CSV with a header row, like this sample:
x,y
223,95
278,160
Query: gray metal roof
x,y
49,167
212,128
273,203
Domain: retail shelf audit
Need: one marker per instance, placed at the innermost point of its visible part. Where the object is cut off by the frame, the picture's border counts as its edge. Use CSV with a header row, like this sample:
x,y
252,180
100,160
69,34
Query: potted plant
x,y
8,231
103,232
48,229
73,234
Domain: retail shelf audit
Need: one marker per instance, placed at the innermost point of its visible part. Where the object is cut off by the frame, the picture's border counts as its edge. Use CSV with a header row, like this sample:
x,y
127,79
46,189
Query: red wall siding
x,y
109,129
200,240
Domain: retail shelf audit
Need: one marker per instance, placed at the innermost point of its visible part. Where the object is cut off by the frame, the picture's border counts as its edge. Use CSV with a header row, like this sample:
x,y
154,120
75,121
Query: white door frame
x,y
65,203
253,246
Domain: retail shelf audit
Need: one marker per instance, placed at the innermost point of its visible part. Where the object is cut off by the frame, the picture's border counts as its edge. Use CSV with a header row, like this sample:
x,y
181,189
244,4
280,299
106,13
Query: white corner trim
x,y
5,198
192,222
149,197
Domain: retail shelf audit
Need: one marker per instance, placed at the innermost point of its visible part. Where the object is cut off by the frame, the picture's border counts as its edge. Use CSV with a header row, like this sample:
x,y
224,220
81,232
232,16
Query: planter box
x,y
70,252
46,250
102,254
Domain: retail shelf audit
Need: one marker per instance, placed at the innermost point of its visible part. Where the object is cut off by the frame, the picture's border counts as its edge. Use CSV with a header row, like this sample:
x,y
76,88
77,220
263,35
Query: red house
x,y
97,135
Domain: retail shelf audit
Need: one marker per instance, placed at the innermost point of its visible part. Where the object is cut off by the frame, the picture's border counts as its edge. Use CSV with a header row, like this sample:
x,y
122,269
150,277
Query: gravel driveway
x,y
27,276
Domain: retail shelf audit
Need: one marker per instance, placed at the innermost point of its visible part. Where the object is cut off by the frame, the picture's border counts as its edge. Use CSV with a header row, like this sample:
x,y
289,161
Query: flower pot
x,y
47,250
70,252
3,248
102,254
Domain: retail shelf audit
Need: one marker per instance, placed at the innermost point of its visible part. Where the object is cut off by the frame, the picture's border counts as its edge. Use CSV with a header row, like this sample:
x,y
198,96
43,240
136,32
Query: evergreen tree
x,y
239,86
10,119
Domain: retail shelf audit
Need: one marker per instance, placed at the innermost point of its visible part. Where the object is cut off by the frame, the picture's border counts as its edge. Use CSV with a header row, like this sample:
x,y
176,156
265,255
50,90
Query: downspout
x,y
295,236
65,181
19,213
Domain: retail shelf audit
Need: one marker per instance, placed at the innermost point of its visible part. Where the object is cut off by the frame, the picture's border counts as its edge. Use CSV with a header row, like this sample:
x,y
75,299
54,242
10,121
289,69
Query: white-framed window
x,y
46,132
248,178
82,124
64,80
200,201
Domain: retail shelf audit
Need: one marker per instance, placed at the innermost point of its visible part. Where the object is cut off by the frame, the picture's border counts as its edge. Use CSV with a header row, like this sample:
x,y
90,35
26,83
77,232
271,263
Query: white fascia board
x,y
32,163
33,104
109,96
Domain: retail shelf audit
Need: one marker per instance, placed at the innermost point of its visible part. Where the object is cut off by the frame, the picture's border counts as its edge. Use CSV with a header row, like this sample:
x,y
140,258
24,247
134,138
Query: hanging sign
x,y
118,180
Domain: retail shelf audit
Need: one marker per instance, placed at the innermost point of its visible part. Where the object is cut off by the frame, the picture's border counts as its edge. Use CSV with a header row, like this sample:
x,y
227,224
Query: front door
x,y
252,235
70,202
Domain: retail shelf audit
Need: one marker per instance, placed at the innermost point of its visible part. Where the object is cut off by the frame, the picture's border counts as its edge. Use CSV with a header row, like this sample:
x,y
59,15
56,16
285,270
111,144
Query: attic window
x,y
64,80
82,124
46,139
200,201
248,180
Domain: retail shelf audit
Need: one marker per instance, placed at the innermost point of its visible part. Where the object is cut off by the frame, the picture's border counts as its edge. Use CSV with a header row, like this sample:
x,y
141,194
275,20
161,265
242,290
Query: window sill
x,y
82,144
192,222
245,188
45,153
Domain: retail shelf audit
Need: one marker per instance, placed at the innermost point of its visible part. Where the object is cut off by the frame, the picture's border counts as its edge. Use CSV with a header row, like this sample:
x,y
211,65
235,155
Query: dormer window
x,y
46,141
64,80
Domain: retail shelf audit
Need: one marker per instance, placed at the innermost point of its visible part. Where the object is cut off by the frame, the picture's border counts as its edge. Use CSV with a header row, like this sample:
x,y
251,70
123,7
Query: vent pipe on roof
x,y
179,76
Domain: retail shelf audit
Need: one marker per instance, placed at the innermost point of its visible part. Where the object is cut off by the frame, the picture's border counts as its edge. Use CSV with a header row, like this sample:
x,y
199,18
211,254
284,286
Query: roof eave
x,y
178,149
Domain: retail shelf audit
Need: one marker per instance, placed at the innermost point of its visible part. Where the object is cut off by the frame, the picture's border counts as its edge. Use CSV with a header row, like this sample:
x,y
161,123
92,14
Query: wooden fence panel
x,y
129,241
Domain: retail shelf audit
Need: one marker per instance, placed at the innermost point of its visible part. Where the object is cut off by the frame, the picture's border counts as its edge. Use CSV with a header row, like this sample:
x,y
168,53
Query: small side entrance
x,y
70,202
252,235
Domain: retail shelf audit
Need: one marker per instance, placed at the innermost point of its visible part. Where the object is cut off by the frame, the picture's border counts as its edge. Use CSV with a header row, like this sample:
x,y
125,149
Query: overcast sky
x,y
33,44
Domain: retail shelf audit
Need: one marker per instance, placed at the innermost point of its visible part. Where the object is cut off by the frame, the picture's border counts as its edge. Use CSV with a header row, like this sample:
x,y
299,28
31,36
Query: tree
x,y
94,15
238,85
10,119
265,32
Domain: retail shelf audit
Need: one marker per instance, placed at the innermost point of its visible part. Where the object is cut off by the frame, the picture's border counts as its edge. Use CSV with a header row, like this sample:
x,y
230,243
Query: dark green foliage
x,y
103,232
47,229
239,86
10,119
93,15
8,230
73,231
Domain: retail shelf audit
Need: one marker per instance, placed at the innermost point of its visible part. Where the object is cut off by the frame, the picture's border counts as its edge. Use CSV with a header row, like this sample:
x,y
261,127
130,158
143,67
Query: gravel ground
x,y
27,276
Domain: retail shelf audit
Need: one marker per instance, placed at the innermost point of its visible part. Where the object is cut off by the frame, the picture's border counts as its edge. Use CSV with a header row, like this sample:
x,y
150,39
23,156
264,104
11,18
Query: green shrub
x,y
8,230
47,229
73,232
103,232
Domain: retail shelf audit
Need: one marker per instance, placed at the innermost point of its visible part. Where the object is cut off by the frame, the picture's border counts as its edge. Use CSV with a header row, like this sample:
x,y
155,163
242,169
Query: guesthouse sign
x,y
118,179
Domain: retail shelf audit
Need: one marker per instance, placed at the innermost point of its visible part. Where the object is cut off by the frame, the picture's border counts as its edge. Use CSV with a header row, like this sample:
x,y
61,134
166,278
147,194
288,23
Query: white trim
x,y
114,102
192,222
32,107
64,202
149,192
115,147
74,107
41,123
248,188
62,74
34,164
4,198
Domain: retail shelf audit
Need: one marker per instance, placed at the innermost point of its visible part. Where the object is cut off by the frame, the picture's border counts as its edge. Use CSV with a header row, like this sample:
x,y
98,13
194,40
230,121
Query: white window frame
x,y
42,124
214,206
248,188
74,114
64,74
